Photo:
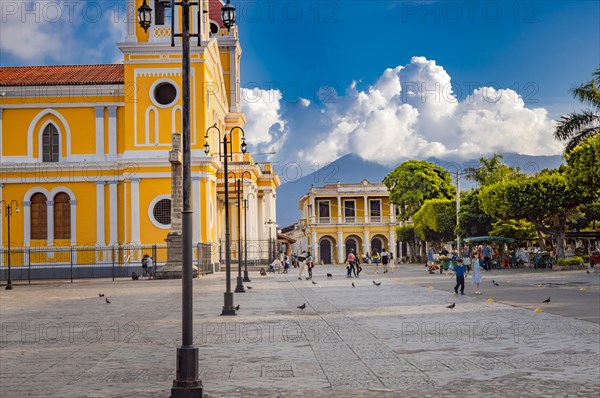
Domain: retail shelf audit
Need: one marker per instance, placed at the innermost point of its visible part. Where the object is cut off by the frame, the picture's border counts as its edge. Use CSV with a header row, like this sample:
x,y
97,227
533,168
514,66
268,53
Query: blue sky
x,y
387,80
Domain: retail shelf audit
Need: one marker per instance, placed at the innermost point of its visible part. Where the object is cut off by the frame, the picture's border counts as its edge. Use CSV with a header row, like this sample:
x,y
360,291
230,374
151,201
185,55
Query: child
x,y
460,271
476,277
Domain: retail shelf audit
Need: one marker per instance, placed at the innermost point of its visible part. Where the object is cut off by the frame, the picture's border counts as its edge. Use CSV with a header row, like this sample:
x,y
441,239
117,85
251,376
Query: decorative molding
x,y
35,121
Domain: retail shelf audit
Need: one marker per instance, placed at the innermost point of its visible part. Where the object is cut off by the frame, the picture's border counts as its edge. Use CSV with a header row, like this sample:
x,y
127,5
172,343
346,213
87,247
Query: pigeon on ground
x,y
249,287
376,283
100,295
314,283
353,284
329,276
303,306
587,271
495,283
451,306
107,302
237,307
547,300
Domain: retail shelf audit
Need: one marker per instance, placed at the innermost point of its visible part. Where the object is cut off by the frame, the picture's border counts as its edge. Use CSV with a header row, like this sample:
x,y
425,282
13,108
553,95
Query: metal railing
x,y
81,262
258,252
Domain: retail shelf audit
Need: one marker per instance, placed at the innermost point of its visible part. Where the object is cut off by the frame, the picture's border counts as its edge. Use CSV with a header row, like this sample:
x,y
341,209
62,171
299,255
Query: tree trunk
x,y
541,240
560,236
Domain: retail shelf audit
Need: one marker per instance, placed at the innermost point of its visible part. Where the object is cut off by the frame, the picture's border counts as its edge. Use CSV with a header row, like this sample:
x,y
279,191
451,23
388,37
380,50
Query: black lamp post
x,y
269,223
246,277
228,308
8,212
239,288
187,384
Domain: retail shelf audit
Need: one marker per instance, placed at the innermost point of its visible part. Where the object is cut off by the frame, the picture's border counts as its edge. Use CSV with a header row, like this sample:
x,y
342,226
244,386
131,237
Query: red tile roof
x,y
62,75
214,11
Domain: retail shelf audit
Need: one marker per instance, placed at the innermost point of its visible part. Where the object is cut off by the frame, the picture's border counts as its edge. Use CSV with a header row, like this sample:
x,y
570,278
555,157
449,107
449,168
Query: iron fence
x,y
259,252
81,262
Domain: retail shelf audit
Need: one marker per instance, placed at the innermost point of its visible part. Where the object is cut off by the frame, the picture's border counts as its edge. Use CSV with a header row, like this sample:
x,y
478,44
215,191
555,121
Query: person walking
x,y
460,271
385,259
487,257
302,263
350,267
476,275
392,261
375,257
357,264
310,265
466,256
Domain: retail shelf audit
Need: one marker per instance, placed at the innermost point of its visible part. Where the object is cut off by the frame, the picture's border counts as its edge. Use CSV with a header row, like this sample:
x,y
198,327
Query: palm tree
x,y
576,127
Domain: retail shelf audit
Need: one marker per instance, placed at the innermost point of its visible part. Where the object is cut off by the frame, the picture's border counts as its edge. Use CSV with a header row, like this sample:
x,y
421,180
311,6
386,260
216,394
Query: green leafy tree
x,y
545,200
472,221
576,127
583,167
491,170
436,220
519,230
414,182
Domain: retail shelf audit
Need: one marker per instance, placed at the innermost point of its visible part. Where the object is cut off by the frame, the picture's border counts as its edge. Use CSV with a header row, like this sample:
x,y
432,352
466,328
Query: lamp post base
x,y
228,306
240,286
8,285
187,384
246,277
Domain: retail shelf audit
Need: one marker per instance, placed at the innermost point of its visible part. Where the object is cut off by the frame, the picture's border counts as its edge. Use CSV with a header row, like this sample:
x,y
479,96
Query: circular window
x,y
162,212
165,93
214,28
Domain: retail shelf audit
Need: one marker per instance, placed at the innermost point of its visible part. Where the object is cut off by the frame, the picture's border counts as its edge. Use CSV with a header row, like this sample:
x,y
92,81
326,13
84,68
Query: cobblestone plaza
x,y
395,340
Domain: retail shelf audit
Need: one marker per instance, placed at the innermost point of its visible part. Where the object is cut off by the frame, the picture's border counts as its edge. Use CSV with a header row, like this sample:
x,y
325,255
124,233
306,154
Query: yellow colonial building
x,y
340,217
91,152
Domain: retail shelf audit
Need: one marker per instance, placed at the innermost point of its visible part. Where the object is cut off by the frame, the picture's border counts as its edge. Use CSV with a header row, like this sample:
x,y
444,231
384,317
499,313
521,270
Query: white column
x,y
261,217
135,210
366,242
366,210
315,248
50,223
206,221
26,223
393,243
113,234
340,237
339,198
73,204
112,131
312,210
100,238
392,213
100,132
131,15
233,77
196,208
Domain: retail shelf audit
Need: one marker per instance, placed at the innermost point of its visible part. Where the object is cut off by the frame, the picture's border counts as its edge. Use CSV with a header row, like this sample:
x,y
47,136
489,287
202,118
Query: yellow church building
x,y
90,152
339,217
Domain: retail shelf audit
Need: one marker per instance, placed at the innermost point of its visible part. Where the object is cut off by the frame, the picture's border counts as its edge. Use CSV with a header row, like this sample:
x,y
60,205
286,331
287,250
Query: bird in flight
x,y
237,307
547,300
107,302
451,306
303,306
376,283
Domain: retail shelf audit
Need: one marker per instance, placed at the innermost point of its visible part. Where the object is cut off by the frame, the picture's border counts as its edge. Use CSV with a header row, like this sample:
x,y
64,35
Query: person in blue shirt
x,y
460,271
487,257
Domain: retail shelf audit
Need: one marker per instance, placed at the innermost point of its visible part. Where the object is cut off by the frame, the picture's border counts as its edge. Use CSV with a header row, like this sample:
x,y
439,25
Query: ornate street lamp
x,y
269,223
145,16
8,212
228,15
246,277
239,288
228,308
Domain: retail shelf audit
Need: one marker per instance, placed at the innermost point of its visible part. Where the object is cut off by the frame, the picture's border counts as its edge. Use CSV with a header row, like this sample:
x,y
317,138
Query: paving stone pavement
x,y
398,339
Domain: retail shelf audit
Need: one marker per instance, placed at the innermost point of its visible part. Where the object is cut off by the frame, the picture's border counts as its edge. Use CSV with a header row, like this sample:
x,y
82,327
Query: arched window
x,y
62,216
50,144
39,217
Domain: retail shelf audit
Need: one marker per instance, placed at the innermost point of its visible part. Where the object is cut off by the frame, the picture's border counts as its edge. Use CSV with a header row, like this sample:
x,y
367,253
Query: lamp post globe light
x,y
186,384
8,206
228,308
246,277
